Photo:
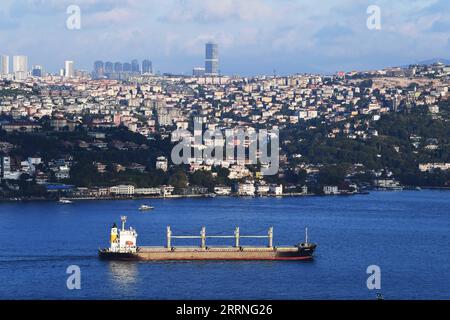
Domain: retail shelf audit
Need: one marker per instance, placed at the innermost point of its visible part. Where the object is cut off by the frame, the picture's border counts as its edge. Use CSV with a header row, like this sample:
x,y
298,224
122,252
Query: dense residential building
x,y
340,111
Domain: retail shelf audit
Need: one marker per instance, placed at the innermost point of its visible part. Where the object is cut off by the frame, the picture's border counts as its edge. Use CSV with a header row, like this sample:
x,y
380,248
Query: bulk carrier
x,y
123,246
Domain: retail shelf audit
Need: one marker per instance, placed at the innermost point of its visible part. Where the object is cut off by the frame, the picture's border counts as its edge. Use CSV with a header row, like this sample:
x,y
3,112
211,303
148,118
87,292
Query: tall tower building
x,y
4,65
99,68
69,71
109,67
211,59
135,66
20,67
127,67
147,66
118,67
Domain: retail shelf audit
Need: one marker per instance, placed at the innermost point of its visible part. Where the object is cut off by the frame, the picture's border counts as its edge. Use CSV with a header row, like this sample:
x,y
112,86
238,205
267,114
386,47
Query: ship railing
x,y
237,236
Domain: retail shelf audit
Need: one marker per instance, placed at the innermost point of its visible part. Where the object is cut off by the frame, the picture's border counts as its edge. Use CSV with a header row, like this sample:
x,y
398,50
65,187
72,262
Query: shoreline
x,y
209,196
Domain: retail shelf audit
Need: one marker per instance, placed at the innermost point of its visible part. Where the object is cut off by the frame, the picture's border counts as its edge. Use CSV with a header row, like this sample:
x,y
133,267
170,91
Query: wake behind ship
x,y
123,246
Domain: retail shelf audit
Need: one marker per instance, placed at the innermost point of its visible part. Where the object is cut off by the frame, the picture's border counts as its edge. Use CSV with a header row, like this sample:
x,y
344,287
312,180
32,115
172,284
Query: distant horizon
x,y
189,73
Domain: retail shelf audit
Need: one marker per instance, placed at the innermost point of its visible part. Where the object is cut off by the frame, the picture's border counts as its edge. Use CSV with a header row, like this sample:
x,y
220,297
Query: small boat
x,y
65,201
145,207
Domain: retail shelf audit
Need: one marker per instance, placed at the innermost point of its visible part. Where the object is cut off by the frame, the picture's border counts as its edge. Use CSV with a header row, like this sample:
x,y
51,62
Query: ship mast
x,y
306,235
124,219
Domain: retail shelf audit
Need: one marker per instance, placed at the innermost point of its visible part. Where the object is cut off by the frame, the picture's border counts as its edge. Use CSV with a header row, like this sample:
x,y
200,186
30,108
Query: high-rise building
x,y
20,67
37,71
69,71
118,67
126,67
109,67
147,66
135,66
4,65
211,59
99,68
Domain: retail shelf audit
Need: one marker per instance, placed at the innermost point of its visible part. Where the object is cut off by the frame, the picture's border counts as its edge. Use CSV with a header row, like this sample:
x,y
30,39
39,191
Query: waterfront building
x,y
276,189
222,190
330,190
245,189
124,190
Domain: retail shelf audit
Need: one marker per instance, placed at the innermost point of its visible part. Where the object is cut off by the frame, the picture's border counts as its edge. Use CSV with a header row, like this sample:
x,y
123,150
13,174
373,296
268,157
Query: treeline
x,y
392,149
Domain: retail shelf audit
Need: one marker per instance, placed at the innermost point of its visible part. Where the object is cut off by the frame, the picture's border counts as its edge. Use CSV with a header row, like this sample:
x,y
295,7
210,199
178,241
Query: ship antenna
x,y
306,235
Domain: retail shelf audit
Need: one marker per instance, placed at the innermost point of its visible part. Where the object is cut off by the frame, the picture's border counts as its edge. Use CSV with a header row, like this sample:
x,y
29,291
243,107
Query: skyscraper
x,y
118,67
99,68
126,67
211,59
147,66
135,66
109,67
20,67
4,65
69,71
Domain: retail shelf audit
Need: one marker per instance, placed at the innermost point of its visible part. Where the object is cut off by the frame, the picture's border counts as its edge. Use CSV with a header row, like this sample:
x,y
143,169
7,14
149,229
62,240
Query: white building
x,y
245,189
20,67
167,190
4,65
126,190
330,190
276,189
433,166
69,71
147,191
222,190
262,189
161,163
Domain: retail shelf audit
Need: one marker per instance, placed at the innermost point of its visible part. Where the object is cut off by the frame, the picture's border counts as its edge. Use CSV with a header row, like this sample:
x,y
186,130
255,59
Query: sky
x,y
255,37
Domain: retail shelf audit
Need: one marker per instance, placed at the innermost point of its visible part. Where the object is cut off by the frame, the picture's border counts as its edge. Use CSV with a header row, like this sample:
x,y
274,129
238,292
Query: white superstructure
x,y
123,240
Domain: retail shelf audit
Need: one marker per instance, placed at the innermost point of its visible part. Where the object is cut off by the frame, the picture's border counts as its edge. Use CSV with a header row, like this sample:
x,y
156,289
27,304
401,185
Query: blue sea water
x,y
407,234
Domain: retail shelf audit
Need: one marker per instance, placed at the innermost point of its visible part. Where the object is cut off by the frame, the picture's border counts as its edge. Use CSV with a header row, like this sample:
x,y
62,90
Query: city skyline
x,y
300,37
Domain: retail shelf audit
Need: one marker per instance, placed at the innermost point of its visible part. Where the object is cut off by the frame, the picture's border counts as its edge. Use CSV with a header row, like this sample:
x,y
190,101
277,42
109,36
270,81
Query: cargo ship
x,y
123,246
